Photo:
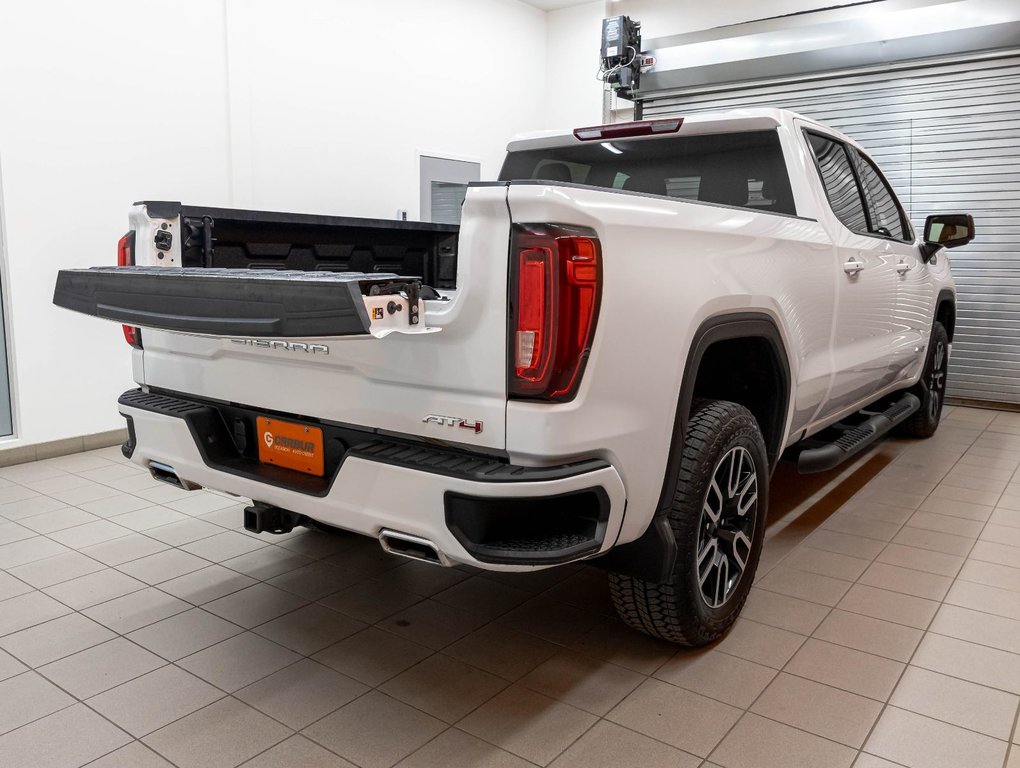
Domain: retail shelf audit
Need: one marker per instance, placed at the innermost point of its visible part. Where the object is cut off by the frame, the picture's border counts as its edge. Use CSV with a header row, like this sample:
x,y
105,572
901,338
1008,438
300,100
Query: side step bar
x,y
855,439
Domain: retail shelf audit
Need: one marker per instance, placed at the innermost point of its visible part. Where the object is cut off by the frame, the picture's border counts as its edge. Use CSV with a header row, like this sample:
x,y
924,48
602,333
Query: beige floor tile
x,y
309,629
864,633
94,588
456,749
372,600
432,624
112,506
28,551
813,588
184,634
957,509
986,497
583,681
82,536
760,643
956,526
528,724
920,742
153,700
55,639
297,751
133,755
865,527
10,666
484,598
255,605
266,563
302,693
819,709
756,742
137,609
846,668
935,541
990,552
27,697
222,735
223,546
54,570
375,731
207,584
864,760
504,652
889,606
27,610
12,587
608,745
238,661
1014,757
999,534
84,736
551,620
58,520
717,675
873,510
955,701
925,560
124,549
314,581
838,566
846,544
421,578
685,720
184,532
991,574
784,612
906,580
978,627
147,518
444,687
1001,602
372,656
969,661
101,667
163,566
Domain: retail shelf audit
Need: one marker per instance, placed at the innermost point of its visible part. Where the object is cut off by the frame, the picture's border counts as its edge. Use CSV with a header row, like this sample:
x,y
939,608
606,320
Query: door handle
x,y
902,268
853,266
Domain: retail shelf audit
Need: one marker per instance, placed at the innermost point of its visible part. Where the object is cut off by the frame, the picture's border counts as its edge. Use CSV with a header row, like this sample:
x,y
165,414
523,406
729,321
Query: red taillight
x,y
126,258
555,290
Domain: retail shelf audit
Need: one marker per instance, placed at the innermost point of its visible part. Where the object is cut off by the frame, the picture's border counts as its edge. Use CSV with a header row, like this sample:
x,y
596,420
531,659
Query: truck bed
x,y
242,239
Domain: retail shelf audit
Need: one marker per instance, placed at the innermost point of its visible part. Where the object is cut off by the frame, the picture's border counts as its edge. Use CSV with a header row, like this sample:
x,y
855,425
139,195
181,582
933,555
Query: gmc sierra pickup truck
x,y
602,363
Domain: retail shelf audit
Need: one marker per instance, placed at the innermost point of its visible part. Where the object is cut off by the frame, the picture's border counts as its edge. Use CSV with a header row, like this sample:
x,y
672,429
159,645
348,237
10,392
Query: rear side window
x,y
839,182
740,169
884,209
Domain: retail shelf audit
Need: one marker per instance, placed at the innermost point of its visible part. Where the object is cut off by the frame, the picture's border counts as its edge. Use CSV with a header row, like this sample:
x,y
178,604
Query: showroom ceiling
x,y
552,5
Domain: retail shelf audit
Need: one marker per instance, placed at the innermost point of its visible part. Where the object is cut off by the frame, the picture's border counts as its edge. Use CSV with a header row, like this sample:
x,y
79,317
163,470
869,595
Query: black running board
x,y
855,439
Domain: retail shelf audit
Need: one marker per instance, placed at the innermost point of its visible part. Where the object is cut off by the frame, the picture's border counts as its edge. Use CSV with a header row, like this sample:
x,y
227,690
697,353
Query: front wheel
x,y
718,520
931,389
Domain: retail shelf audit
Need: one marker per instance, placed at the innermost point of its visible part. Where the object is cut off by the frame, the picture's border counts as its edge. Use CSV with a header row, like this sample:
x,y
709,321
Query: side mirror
x,y
949,230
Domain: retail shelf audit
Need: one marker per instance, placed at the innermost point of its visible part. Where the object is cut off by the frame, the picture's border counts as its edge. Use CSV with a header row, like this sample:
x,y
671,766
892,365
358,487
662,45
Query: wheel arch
x,y
652,555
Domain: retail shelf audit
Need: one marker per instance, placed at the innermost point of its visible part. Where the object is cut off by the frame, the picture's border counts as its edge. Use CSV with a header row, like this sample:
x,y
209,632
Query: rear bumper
x,y
475,509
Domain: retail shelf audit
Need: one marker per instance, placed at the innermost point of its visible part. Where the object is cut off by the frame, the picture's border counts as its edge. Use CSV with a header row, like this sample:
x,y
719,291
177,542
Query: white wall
x,y
98,107
573,94
309,105
332,102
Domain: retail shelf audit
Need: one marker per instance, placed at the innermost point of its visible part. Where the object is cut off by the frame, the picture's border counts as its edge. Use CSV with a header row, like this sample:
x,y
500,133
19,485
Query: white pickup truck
x,y
603,363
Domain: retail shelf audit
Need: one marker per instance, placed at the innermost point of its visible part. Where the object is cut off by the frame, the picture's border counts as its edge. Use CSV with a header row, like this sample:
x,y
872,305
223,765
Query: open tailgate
x,y
246,302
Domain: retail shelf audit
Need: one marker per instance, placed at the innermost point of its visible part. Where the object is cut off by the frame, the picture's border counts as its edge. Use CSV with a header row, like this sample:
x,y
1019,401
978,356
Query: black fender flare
x,y
946,296
652,555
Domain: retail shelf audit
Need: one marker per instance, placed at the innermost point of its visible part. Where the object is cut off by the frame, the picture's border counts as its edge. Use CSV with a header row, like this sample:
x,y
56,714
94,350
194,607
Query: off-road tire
x,y
931,389
676,610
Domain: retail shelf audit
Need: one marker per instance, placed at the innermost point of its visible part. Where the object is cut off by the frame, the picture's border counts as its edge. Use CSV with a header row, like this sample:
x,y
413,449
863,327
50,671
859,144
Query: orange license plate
x,y
290,445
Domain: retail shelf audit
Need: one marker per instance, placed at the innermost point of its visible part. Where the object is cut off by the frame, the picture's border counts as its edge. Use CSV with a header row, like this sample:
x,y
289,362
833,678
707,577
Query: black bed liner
x,y
223,302
238,239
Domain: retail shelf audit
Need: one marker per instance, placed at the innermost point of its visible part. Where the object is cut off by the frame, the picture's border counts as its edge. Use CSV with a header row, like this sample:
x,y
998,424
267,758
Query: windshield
x,y
741,169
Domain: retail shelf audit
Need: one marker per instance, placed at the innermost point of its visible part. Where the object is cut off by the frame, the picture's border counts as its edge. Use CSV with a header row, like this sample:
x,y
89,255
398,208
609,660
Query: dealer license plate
x,y
290,445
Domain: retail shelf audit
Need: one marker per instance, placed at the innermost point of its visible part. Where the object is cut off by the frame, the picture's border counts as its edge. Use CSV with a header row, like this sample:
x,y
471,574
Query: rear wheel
x,y
718,519
931,389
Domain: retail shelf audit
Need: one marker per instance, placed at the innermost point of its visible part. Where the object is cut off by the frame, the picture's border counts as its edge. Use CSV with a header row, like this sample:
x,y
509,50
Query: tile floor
x,y
141,626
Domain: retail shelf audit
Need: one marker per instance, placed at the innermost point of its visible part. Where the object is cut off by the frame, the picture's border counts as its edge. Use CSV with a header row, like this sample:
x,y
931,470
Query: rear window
x,y
740,169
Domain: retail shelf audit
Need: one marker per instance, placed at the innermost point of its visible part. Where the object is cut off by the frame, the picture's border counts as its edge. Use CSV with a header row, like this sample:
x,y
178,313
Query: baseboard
x,y
26,453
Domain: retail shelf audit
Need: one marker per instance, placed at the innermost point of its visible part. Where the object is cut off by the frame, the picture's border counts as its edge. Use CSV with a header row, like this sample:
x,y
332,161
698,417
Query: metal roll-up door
x,y
948,137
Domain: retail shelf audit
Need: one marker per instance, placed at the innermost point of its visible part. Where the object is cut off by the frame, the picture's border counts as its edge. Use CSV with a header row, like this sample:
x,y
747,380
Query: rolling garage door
x,y
948,137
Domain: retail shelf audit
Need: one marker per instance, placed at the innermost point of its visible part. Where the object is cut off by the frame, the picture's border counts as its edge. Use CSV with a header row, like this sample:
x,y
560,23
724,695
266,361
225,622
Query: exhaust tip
x,y
412,547
167,474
